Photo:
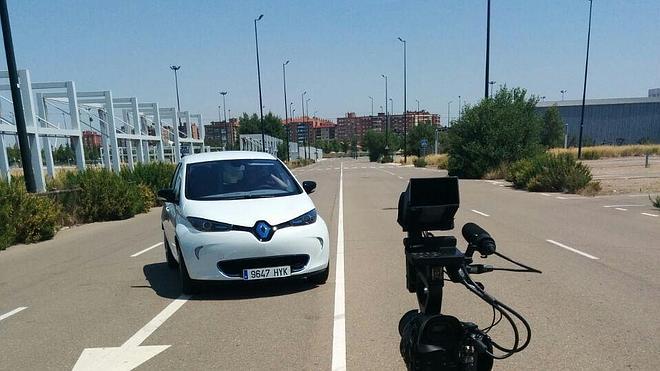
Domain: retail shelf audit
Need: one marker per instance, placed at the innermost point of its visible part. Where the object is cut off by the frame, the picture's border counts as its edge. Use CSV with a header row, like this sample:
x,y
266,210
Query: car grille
x,y
234,268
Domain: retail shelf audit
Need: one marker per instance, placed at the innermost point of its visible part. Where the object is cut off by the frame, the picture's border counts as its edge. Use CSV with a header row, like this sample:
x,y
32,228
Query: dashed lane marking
x,y
573,250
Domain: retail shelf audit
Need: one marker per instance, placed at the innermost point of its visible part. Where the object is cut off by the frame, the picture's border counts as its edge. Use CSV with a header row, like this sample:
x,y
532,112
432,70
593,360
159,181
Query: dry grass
x,y
596,152
438,161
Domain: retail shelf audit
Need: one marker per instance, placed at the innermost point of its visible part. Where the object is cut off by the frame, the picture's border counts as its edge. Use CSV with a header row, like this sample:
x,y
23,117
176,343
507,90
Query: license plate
x,y
266,273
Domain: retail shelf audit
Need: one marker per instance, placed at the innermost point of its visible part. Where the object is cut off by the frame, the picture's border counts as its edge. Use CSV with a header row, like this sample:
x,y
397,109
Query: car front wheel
x,y
171,262
188,285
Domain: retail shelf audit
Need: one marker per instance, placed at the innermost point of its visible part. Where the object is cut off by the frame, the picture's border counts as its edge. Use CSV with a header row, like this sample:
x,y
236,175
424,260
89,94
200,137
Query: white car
x,y
237,216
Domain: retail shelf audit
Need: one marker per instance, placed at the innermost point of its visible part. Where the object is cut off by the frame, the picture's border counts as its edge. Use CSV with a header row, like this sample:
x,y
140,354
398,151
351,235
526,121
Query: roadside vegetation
x,y
655,201
597,152
76,197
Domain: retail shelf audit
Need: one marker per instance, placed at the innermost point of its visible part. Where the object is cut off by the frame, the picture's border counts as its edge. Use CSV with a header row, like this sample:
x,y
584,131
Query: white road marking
x,y
480,213
620,209
653,215
389,172
336,168
400,177
130,354
11,313
615,206
339,326
573,250
561,198
145,250
545,194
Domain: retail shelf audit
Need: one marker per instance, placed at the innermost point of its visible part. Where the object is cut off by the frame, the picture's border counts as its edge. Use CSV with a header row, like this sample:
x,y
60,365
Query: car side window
x,y
174,176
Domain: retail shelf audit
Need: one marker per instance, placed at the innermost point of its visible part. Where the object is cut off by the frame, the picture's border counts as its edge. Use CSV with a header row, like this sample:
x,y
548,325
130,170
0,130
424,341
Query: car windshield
x,y
238,179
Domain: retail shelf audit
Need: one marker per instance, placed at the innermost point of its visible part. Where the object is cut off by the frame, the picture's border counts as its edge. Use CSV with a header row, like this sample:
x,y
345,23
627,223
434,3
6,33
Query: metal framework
x,y
131,131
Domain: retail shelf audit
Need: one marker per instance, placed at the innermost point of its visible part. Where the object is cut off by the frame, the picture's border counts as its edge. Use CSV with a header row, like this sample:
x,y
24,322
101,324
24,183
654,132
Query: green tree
x,y
552,131
252,125
374,142
502,129
14,155
415,136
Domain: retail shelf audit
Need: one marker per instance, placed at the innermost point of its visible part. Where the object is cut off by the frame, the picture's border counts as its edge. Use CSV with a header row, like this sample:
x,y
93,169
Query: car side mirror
x,y
167,195
309,186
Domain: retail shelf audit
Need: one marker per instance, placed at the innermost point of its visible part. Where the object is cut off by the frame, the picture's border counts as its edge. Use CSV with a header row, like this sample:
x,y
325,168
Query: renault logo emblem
x,y
263,230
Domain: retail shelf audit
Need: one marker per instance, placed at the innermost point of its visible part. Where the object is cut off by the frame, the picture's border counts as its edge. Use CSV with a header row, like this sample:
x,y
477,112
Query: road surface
x,y
106,285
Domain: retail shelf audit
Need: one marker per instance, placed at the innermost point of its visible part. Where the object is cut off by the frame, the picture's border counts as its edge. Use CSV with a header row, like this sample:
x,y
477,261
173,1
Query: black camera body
x,y
430,340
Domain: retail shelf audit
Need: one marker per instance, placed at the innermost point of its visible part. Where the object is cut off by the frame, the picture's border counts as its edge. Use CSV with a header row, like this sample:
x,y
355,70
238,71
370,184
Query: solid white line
x,y
545,194
561,198
573,250
653,215
9,314
145,250
339,327
153,325
633,205
480,213
620,209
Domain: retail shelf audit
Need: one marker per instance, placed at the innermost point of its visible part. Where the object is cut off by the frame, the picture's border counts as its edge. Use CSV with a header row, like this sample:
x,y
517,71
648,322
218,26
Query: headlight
x,y
306,218
204,225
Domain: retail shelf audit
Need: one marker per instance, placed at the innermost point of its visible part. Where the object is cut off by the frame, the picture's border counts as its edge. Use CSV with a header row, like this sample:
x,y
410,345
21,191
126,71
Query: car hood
x,y
274,210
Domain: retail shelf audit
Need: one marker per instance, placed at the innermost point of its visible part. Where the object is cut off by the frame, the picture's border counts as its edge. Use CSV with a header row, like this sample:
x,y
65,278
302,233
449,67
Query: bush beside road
x,y
78,197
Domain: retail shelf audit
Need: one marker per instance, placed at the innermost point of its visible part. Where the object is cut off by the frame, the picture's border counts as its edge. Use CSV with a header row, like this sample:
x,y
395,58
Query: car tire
x,y
321,277
188,285
169,257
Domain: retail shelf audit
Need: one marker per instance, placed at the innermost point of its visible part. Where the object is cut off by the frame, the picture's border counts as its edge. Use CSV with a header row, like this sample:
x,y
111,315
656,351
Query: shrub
x,y
26,217
550,173
155,175
499,172
656,201
103,196
504,128
420,162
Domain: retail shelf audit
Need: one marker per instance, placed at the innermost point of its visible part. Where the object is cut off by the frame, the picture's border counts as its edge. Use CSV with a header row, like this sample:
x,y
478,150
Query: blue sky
x,y
338,50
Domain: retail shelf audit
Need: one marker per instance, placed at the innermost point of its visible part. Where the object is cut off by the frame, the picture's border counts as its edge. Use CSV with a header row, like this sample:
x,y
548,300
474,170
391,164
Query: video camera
x,y
429,339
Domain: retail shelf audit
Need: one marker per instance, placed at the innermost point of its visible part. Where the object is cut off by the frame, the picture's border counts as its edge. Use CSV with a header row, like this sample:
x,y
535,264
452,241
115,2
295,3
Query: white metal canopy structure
x,y
131,131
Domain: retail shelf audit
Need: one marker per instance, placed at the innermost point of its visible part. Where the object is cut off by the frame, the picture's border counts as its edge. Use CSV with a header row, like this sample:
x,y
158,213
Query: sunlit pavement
x,y
100,286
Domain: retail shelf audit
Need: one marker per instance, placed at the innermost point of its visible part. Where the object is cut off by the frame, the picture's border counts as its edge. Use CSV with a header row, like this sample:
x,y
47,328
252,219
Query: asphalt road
x,y
593,308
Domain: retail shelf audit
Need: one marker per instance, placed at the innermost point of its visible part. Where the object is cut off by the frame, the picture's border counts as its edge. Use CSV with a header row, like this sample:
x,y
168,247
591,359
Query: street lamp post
x,y
584,89
417,100
17,99
372,105
562,94
176,84
448,112
459,108
302,103
492,83
387,120
487,49
286,110
309,130
261,104
224,110
405,115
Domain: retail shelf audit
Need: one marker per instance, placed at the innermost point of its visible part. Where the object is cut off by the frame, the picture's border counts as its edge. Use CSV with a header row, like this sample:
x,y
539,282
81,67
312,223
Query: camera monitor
x,y
429,204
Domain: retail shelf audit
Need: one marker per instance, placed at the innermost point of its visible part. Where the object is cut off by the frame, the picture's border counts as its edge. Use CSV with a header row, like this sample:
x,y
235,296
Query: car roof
x,y
226,155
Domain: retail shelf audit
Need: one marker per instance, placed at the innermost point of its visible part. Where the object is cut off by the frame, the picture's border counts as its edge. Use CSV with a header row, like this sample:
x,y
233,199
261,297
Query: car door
x,y
169,215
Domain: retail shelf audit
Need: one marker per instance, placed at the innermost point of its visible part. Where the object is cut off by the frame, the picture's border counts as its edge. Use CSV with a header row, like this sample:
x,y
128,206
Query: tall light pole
x,y
176,84
448,112
459,108
286,110
417,100
562,94
387,120
261,104
584,89
309,130
302,103
491,83
405,115
372,105
487,50
17,99
224,109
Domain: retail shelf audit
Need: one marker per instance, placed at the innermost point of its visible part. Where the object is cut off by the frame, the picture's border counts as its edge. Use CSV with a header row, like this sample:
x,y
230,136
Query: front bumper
x,y
203,251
